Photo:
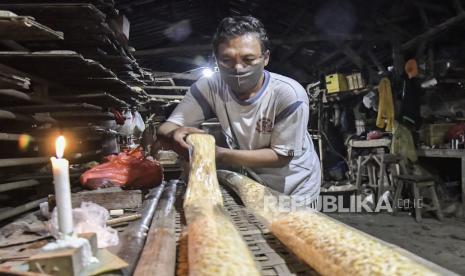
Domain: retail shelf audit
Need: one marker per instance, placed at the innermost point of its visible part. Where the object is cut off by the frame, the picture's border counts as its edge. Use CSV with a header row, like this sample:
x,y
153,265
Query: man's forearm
x,y
267,158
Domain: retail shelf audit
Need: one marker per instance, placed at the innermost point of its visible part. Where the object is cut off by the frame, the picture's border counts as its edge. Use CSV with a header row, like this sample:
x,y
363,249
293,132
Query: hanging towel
x,y
385,106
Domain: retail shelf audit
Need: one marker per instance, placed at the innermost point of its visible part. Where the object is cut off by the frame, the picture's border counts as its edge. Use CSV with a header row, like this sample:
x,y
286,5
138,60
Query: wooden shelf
x,y
340,96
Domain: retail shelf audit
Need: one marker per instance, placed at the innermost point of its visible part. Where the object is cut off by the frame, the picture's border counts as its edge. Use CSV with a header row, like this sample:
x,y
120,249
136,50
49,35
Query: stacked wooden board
x,y
65,68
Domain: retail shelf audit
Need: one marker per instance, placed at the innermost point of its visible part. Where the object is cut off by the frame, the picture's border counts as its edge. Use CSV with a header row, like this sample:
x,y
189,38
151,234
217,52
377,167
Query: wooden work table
x,y
448,153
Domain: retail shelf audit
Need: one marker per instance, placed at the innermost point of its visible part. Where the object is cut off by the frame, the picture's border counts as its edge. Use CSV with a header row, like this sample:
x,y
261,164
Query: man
x,y
263,115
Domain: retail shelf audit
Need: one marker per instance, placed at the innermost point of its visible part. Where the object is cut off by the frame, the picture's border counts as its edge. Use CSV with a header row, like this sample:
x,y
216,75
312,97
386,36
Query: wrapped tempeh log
x,y
328,246
215,247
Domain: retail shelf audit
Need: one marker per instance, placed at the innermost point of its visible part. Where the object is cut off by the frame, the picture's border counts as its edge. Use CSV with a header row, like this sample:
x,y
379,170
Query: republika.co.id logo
x,y
336,204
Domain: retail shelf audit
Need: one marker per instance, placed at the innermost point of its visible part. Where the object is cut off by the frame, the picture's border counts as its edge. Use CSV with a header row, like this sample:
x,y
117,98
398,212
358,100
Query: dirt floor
x,y
440,242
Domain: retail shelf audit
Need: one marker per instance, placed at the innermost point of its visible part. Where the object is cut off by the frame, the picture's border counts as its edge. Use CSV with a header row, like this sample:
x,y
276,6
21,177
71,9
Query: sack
x,y
128,170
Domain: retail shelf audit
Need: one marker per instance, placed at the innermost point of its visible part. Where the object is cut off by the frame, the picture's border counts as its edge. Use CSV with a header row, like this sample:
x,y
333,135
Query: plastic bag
x,y
89,218
139,125
128,127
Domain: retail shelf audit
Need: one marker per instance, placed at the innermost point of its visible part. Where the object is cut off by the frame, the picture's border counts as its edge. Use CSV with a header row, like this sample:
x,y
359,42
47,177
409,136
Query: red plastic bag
x,y
128,170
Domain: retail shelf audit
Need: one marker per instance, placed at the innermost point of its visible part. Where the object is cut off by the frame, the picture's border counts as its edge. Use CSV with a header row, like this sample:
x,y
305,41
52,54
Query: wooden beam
x,y
433,6
423,16
433,31
328,57
376,62
353,56
458,6
394,28
205,48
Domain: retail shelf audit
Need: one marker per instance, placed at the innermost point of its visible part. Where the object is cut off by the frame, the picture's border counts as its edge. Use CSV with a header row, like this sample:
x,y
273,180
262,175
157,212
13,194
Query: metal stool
x,y
417,183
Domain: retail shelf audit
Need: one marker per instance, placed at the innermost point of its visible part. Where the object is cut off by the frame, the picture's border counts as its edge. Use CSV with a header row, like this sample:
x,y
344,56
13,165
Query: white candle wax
x,y
63,195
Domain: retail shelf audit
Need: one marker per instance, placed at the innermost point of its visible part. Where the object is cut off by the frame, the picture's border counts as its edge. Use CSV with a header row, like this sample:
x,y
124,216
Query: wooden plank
x,y
18,185
110,198
98,98
21,28
54,107
8,115
133,238
15,94
55,65
15,137
49,11
159,254
11,162
83,115
21,209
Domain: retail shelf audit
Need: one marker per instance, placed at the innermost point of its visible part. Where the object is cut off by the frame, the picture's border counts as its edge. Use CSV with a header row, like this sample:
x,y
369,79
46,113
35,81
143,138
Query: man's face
x,y
241,51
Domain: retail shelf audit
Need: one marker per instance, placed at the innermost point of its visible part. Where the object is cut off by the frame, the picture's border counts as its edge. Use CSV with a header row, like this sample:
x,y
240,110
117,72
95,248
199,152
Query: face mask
x,y
242,80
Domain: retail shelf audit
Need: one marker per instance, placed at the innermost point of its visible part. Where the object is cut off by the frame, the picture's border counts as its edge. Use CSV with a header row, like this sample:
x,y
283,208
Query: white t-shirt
x,y
276,117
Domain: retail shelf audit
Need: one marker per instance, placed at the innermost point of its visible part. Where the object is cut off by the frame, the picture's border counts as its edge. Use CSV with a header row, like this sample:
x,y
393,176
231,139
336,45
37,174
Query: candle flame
x,y
60,144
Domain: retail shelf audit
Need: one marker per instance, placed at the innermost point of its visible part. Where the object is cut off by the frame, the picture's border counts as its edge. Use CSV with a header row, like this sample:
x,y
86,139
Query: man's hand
x,y
180,134
171,136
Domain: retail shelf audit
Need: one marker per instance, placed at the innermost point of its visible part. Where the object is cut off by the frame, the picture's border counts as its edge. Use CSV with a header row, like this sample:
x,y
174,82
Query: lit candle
x,y
62,189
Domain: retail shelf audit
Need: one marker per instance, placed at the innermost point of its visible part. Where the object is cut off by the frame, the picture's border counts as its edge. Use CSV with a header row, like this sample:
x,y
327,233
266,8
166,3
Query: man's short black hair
x,y
231,27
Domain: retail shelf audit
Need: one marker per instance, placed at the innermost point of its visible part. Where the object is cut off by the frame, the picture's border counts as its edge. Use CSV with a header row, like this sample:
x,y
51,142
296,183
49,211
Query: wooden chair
x,y
417,183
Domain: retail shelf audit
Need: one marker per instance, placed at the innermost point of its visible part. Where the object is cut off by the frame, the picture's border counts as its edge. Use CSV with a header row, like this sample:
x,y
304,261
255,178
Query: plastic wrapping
x,y
89,218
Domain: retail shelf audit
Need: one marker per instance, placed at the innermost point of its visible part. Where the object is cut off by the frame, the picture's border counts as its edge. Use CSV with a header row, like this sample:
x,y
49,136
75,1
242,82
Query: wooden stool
x,y
377,167
417,183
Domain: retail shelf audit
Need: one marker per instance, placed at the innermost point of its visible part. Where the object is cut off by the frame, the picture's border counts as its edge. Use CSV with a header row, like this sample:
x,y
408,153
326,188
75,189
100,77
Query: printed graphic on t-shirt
x,y
264,125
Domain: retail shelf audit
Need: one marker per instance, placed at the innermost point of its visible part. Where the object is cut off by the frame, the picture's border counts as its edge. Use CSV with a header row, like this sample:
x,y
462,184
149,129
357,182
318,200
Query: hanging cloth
x,y
385,105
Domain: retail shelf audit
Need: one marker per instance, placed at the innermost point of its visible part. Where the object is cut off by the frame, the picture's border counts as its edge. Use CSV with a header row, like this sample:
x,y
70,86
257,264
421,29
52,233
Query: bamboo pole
x,y
215,247
327,245
124,219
